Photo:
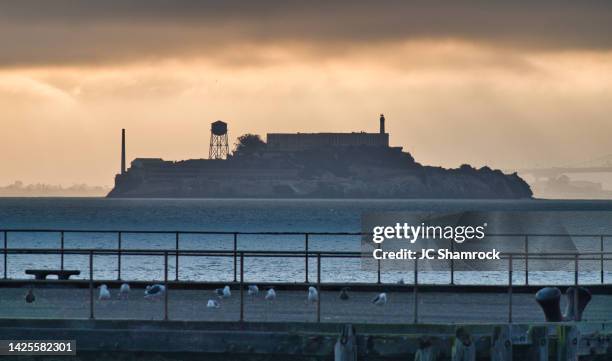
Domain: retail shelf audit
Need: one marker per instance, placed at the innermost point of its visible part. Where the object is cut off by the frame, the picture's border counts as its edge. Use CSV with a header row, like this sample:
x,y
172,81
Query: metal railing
x,y
306,249
318,255
238,256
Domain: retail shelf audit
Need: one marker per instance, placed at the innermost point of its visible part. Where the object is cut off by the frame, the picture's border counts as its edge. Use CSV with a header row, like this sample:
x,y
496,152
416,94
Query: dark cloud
x,y
67,32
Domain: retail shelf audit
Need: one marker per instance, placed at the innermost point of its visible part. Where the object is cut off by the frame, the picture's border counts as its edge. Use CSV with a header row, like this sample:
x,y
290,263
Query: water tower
x,y
219,148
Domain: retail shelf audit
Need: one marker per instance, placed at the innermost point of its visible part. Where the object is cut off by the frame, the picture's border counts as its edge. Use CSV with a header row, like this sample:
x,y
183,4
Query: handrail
x,y
269,233
229,252
306,253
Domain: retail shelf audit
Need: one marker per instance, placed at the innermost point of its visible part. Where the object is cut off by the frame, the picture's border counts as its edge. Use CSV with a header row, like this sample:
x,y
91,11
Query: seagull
x,y
380,300
213,304
154,291
104,293
313,295
271,294
344,294
253,290
30,296
124,291
224,292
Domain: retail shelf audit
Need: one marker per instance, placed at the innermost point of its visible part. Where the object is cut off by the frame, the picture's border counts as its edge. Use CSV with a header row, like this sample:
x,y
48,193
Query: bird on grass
x,y
124,291
271,294
380,300
30,298
253,290
154,291
313,295
213,304
344,294
104,293
224,292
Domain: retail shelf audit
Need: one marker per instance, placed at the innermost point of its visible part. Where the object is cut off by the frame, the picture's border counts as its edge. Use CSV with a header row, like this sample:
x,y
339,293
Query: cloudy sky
x,y
508,84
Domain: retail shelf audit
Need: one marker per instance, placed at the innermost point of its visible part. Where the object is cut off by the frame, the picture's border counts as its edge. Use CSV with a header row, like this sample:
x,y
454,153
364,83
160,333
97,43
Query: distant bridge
x,y
554,172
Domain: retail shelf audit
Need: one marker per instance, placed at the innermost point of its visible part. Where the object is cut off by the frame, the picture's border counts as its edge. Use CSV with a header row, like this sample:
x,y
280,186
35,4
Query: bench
x,y
41,274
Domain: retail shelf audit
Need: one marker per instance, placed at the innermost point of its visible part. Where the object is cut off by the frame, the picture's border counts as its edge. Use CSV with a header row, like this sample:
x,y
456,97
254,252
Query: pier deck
x,y
290,306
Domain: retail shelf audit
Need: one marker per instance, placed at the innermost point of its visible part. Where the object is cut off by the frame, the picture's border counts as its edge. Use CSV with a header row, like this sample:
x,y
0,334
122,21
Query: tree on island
x,y
249,144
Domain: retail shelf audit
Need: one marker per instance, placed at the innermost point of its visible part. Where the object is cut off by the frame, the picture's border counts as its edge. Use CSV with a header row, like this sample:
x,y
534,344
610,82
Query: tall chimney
x,y
382,124
122,151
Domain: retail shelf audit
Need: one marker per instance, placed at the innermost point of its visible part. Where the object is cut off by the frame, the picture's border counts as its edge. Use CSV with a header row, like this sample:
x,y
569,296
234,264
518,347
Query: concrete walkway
x,y
433,307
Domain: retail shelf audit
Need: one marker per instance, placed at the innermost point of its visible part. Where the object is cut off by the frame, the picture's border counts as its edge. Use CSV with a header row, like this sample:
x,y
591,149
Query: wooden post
x,y
539,343
346,346
502,344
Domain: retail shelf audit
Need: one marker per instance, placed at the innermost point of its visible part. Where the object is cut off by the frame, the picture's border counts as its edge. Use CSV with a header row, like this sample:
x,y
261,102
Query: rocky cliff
x,y
357,172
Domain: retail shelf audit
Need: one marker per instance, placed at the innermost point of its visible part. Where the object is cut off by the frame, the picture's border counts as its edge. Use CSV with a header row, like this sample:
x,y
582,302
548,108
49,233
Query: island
x,y
309,165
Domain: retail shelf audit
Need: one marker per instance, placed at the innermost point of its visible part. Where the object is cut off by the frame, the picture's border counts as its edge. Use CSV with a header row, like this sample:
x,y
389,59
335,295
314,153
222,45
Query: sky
x,y
507,84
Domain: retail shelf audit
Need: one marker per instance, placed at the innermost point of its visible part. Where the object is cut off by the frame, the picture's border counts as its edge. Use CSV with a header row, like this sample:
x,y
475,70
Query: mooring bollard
x,y
549,299
502,344
346,346
577,300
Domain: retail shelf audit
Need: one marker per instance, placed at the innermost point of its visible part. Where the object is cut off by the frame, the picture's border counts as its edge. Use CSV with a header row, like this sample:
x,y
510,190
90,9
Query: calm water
x,y
239,215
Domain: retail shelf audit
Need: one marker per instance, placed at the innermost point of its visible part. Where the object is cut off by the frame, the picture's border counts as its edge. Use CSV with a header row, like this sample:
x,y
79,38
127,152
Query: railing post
x,y
91,286
306,256
510,288
452,263
62,250
235,255
318,287
166,285
378,267
416,291
576,317
119,255
176,261
5,253
241,286
526,260
576,269
601,246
